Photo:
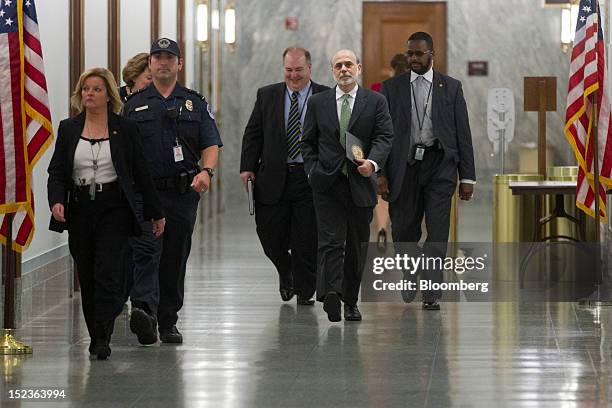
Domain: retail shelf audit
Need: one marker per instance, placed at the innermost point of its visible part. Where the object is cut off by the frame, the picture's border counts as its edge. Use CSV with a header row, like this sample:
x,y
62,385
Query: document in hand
x,y
250,196
354,148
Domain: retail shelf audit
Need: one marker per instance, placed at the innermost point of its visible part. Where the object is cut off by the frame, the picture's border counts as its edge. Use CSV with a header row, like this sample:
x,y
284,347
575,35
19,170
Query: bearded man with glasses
x,y
432,151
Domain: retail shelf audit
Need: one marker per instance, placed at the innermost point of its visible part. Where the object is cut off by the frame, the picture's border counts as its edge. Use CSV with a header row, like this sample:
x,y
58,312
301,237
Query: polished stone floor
x,y
245,348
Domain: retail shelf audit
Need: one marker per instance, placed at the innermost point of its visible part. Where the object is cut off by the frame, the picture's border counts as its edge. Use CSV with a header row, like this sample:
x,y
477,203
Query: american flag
x,y
25,120
587,78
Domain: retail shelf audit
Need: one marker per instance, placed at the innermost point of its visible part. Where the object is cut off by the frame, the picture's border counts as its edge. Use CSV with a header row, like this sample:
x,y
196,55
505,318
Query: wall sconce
x,y
230,27
569,16
202,24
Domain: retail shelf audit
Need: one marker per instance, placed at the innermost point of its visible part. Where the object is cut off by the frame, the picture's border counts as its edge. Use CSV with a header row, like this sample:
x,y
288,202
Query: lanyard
x,y
298,100
416,108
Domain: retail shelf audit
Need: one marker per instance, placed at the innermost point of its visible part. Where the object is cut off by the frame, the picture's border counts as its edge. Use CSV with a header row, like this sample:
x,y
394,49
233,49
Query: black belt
x,y
166,183
294,167
99,187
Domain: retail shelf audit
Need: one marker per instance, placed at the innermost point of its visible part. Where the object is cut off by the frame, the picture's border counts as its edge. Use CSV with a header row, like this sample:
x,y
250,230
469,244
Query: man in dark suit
x,y
272,158
344,191
431,149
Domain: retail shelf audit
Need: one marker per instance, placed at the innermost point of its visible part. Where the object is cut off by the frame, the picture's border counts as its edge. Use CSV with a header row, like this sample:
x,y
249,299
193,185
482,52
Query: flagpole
x,y
595,136
8,344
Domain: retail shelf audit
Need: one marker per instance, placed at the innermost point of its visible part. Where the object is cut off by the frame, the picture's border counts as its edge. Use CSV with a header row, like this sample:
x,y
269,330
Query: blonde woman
x,y
97,164
136,75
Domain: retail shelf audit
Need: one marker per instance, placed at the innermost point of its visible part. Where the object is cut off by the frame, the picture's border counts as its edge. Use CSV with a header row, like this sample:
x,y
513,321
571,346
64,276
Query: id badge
x,y
178,153
419,152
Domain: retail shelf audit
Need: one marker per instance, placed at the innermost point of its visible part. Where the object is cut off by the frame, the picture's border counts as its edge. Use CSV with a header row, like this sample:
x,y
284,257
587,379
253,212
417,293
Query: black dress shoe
x,y
102,350
286,294
92,347
331,305
431,305
170,335
143,325
352,313
304,301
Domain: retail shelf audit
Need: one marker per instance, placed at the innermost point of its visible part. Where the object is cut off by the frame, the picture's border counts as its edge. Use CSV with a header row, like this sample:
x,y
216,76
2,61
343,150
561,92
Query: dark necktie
x,y
294,128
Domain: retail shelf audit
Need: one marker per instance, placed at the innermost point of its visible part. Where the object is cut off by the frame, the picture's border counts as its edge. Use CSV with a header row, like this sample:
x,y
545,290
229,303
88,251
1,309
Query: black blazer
x,y
264,144
323,153
450,126
128,159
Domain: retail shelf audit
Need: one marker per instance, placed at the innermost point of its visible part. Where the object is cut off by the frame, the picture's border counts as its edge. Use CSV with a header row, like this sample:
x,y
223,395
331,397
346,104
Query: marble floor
x,y
245,348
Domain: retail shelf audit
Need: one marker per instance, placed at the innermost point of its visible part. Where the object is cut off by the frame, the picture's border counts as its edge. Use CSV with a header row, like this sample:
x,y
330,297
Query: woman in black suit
x,y
97,164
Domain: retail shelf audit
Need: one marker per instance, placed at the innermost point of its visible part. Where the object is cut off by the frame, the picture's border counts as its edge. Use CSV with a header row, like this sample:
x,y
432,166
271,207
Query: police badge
x,y
189,105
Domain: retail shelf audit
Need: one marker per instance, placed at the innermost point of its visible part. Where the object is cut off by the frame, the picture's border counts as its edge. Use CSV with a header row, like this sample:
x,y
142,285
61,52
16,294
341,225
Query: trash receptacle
x,y
513,215
513,222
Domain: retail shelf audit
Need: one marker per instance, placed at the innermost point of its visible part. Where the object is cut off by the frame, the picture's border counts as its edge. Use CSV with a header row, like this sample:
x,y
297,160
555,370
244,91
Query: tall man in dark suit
x,y
272,158
344,192
431,149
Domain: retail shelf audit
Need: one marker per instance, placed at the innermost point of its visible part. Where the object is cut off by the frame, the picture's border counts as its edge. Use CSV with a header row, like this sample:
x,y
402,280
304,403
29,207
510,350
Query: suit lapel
x,y
437,98
332,109
360,103
79,124
405,91
279,101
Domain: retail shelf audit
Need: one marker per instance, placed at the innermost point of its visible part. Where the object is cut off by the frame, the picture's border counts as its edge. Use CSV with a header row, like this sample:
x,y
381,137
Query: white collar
x,y
302,91
352,92
428,76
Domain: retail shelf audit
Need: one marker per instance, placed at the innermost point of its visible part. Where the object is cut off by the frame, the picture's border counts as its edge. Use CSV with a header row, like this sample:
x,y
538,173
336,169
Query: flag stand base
x,y
8,344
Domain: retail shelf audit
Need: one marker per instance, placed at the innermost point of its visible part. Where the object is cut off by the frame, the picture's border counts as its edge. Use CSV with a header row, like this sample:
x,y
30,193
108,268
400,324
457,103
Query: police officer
x,y
178,131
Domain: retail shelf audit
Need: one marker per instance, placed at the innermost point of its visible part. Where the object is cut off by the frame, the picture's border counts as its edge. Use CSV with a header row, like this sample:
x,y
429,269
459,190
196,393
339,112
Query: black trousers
x,y
97,235
342,230
142,265
172,250
427,190
287,231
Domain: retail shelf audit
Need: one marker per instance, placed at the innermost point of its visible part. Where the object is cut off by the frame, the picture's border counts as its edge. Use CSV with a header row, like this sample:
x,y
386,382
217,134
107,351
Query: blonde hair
x,y
114,102
134,67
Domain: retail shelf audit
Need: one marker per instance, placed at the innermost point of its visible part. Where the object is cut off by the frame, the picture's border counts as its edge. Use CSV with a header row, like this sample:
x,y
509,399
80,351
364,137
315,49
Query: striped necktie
x,y
294,128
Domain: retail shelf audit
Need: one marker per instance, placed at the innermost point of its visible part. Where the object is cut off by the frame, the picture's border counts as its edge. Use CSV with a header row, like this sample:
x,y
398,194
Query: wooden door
x,y
387,26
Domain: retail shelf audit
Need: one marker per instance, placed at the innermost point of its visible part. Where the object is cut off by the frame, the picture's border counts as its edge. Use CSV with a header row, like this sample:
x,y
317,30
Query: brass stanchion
x,y
8,344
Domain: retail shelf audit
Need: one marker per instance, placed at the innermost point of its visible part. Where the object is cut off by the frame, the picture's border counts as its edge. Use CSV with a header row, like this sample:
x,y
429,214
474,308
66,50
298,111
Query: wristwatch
x,y
210,171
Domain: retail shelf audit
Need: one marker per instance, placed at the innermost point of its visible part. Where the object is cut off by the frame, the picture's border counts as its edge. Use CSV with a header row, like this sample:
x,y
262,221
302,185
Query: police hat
x,y
167,45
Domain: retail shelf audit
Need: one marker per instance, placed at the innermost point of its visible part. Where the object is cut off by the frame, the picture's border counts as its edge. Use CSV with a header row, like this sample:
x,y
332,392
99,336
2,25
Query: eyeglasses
x,y
347,64
417,54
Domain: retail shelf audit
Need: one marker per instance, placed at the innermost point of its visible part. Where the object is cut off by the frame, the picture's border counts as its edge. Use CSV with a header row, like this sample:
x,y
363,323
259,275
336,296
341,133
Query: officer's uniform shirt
x,y
194,121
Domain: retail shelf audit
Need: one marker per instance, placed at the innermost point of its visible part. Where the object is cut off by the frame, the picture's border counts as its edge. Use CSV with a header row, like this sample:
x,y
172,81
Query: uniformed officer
x,y
178,131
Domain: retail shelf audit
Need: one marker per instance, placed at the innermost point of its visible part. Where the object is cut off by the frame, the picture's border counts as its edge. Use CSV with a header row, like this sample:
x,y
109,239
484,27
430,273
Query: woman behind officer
x,y
97,160
136,75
